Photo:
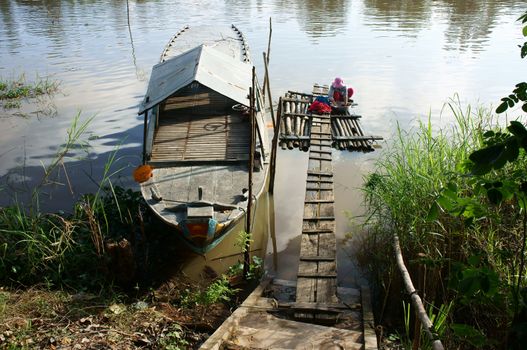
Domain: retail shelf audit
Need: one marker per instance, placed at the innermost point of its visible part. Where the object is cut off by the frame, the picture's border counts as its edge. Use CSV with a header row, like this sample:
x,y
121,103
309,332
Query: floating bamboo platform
x,y
296,124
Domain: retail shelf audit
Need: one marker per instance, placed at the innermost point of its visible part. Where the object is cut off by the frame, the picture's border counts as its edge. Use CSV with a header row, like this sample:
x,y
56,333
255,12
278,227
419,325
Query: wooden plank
x,y
317,231
317,275
339,307
317,258
319,173
319,181
319,218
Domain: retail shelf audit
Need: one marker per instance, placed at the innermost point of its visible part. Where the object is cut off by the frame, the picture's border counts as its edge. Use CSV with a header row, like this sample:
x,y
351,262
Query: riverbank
x,y
461,232
105,276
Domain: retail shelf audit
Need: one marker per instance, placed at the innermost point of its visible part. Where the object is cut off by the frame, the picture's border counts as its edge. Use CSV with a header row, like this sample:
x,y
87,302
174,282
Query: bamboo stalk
x,y
145,125
359,131
338,128
274,149
266,62
353,144
414,296
287,122
281,120
305,144
247,248
298,122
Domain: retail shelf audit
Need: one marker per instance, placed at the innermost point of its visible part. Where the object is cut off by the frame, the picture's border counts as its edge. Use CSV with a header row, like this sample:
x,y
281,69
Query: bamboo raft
x,y
296,124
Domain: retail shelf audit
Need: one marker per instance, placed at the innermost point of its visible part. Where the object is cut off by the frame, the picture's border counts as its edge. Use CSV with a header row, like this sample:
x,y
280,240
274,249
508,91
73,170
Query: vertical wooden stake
x,y
145,125
267,61
249,214
274,147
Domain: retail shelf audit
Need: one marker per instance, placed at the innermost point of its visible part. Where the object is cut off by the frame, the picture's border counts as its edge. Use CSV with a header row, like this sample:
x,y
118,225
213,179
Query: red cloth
x,y
319,107
337,96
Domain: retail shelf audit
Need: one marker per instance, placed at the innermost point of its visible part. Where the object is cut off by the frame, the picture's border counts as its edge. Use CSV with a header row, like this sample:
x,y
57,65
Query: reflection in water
x,y
131,38
469,23
406,16
318,18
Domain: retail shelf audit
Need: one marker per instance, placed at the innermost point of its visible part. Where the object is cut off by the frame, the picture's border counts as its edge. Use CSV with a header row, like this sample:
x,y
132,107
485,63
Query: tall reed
x,y
411,171
418,167
65,250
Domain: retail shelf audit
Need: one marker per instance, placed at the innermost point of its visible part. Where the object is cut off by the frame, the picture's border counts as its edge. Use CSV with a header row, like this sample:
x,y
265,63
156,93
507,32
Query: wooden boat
x,y
203,120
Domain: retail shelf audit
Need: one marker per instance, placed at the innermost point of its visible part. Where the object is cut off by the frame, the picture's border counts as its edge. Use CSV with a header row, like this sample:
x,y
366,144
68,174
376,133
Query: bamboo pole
x,y
281,122
247,250
266,78
349,129
266,61
145,126
305,143
274,147
414,296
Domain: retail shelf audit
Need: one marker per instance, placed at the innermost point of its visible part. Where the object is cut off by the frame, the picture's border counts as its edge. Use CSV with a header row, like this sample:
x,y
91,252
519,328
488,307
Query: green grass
x,y
13,90
409,177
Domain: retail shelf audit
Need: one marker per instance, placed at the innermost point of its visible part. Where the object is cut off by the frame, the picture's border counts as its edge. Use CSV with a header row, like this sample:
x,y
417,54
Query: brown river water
x,y
404,59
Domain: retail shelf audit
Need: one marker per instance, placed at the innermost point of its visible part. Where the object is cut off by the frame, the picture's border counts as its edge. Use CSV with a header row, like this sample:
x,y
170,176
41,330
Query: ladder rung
x,y
320,158
317,275
317,231
319,173
313,201
321,181
320,218
321,152
317,306
317,258
318,189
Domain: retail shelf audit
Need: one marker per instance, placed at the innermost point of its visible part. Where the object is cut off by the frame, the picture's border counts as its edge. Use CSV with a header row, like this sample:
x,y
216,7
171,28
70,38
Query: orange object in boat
x,y
142,173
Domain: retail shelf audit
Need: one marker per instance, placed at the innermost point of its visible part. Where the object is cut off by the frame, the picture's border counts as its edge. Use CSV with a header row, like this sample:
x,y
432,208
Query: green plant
x,y
443,217
218,291
18,88
255,269
12,104
243,241
174,339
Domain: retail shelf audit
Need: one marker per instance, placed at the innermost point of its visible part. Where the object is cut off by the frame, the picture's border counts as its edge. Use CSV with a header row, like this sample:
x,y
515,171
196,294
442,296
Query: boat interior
x,y
199,124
